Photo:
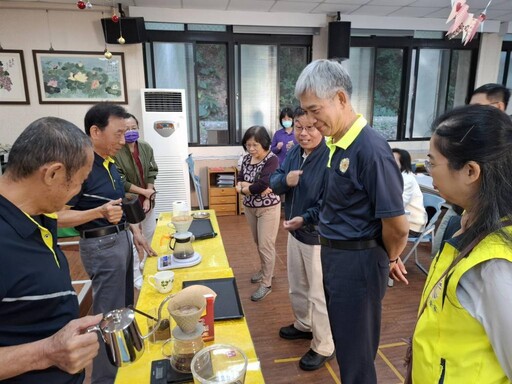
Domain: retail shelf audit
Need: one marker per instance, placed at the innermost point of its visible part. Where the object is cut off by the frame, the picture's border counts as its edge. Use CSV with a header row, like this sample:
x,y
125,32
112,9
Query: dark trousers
x,y
355,283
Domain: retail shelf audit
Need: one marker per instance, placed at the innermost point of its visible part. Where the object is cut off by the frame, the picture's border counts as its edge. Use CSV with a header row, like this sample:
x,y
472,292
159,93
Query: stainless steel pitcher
x,y
121,334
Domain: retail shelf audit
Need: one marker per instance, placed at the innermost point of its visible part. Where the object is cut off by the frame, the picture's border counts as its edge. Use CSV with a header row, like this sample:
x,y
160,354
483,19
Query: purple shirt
x,y
283,137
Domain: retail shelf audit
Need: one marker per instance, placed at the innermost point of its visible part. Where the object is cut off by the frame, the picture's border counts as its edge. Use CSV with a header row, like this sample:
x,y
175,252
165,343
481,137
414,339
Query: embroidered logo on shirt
x,y
344,165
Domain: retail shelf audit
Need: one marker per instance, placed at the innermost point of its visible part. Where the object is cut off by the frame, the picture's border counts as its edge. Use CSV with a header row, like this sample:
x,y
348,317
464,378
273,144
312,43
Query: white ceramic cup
x,y
162,281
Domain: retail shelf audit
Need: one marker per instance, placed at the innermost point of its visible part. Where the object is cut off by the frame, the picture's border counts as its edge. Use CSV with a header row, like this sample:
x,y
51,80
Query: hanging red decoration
x,y
464,22
80,4
115,18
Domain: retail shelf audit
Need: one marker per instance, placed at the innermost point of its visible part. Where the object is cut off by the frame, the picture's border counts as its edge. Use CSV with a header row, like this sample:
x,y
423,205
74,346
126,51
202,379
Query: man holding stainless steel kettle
x,y
41,338
105,244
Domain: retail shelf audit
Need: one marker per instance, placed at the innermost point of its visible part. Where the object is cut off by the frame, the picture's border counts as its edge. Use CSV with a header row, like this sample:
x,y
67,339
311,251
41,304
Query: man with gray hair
x,y
41,338
363,229
105,242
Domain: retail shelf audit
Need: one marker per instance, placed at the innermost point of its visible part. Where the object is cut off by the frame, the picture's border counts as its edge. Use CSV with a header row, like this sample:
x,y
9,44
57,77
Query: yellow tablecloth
x,y
213,265
211,250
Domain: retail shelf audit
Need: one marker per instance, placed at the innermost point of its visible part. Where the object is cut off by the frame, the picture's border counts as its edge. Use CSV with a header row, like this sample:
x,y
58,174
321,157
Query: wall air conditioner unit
x,y
164,119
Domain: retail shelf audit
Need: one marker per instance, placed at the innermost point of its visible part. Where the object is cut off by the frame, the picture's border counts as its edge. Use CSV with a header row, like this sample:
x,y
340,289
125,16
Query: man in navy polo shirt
x,y
105,244
41,338
363,229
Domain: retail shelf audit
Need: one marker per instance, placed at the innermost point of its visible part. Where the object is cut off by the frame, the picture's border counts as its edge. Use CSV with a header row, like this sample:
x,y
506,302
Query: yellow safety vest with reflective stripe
x,y
449,345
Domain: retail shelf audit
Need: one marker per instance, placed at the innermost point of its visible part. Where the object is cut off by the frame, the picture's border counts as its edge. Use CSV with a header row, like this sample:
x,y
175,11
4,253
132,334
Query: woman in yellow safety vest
x,y
463,332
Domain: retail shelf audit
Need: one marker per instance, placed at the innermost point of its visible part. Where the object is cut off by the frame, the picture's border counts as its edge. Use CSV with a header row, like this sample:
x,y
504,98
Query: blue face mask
x,y
131,136
287,123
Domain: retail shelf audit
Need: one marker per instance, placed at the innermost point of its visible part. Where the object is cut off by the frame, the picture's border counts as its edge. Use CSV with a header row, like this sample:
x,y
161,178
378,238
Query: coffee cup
x,y
162,281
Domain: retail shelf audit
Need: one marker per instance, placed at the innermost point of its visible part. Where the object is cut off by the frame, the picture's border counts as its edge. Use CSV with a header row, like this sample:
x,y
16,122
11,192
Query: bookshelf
x,y
222,195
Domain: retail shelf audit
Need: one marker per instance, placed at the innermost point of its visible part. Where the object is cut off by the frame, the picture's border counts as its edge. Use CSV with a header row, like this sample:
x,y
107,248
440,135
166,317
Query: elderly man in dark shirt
x,y
363,229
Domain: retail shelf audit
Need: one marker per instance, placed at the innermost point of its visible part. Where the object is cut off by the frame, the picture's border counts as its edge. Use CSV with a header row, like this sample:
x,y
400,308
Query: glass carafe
x,y
181,244
182,347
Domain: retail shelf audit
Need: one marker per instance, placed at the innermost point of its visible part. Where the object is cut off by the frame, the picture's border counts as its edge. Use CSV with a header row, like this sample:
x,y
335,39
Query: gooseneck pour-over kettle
x,y
120,332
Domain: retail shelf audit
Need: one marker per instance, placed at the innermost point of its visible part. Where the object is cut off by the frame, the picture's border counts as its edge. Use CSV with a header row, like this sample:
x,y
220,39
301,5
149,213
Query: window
x,y
402,84
232,80
505,71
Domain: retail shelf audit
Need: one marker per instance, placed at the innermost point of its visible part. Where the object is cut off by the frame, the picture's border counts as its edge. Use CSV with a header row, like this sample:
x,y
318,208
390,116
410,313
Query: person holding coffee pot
x,y
42,340
105,244
284,139
136,164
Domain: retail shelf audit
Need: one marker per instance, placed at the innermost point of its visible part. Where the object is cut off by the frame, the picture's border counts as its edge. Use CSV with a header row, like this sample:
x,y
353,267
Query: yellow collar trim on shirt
x,y
106,163
348,138
46,235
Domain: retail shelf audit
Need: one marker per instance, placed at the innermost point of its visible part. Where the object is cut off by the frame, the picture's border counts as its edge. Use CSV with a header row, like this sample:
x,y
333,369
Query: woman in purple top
x,y
262,207
284,139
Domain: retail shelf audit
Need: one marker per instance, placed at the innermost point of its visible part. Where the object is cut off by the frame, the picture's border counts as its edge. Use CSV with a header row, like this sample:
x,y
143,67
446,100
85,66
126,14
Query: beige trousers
x,y
264,224
307,294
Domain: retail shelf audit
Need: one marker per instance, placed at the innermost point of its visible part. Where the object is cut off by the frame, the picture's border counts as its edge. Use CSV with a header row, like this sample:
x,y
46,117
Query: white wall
x,y
27,29
71,29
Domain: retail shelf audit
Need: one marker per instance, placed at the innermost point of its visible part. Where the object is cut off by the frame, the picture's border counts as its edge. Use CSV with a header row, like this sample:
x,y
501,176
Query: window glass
x,y
441,84
429,89
459,79
212,94
174,69
259,88
360,67
388,83
503,58
509,75
292,61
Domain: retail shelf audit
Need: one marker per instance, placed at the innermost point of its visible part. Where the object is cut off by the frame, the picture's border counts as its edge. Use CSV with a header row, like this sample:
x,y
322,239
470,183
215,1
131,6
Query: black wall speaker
x,y
339,40
132,28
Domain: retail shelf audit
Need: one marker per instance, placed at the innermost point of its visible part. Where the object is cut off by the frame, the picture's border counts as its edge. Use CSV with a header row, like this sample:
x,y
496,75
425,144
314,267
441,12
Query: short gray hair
x,y
324,78
47,140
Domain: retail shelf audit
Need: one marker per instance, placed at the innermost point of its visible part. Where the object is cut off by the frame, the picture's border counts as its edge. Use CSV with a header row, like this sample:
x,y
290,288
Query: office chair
x,y
432,204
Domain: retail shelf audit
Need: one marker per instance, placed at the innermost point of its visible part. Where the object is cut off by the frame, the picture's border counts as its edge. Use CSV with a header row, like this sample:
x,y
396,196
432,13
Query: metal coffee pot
x,y
120,332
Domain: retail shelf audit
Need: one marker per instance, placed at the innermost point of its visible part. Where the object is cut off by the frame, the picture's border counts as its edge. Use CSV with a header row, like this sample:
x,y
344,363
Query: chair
x,y
432,204
196,180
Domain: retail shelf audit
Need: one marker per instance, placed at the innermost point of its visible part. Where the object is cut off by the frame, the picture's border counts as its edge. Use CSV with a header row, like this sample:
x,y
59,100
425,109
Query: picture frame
x,y
73,77
13,77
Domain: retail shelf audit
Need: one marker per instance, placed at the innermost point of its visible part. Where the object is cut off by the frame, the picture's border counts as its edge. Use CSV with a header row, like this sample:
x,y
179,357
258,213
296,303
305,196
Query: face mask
x,y
131,136
287,123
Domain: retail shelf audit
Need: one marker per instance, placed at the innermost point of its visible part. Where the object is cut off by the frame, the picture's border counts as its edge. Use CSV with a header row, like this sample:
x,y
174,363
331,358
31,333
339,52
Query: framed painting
x,y
69,77
13,78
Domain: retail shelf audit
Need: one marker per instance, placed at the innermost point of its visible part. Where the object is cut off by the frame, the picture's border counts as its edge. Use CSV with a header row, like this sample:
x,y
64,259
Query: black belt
x,y
350,245
103,231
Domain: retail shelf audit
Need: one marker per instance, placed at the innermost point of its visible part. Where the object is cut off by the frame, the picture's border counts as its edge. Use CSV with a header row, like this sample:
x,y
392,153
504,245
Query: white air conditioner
x,y
164,120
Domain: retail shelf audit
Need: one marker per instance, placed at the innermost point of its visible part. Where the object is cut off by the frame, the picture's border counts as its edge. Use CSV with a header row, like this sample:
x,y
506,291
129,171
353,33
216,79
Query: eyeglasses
x,y
309,129
428,166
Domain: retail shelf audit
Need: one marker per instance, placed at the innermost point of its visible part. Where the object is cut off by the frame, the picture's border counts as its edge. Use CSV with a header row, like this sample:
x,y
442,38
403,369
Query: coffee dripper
x,y
185,308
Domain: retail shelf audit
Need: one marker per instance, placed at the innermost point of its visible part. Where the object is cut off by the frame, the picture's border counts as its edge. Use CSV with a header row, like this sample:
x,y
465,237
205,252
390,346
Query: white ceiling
x,y
498,9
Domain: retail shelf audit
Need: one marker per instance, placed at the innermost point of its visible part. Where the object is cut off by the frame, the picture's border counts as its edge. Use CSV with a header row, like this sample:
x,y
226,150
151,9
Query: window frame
x,y
231,39
409,44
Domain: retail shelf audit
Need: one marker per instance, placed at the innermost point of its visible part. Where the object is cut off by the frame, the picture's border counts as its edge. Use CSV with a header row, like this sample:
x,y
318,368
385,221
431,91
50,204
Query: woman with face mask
x,y
284,139
138,169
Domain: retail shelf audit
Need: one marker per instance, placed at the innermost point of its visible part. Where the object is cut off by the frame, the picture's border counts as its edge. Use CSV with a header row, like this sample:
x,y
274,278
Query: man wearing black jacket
x,y
300,177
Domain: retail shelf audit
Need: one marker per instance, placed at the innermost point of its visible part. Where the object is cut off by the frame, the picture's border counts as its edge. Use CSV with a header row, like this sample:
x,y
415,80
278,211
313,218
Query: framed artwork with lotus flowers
x,y
13,78
69,77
